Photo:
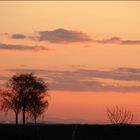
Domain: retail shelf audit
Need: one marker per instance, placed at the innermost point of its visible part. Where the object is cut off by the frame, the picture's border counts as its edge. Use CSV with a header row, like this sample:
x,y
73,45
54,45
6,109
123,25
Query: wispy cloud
x,y
20,47
62,36
68,36
86,80
3,78
118,40
3,34
18,36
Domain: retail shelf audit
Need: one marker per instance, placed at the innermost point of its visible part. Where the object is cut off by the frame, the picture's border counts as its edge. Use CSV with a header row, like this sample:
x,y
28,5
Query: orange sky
x,y
68,39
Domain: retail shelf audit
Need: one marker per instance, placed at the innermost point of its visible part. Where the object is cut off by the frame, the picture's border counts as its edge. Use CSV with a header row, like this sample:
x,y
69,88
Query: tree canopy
x,y
25,93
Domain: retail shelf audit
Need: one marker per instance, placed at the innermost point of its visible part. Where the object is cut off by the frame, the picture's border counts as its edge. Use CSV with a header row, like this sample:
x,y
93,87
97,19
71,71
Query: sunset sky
x,y
87,52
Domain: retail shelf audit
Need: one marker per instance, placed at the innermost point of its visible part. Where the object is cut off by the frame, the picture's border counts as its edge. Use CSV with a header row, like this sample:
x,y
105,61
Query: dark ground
x,y
69,132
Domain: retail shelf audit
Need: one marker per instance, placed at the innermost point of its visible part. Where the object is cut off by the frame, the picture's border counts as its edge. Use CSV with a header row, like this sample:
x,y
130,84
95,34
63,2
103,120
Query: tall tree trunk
x,y
23,115
16,114
35,120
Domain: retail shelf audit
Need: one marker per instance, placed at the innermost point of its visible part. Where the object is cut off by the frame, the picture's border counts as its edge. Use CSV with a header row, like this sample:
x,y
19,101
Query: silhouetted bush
x,y
120,116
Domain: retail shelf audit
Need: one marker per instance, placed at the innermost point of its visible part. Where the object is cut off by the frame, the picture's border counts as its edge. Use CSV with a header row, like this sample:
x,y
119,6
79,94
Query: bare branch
x,y
120,115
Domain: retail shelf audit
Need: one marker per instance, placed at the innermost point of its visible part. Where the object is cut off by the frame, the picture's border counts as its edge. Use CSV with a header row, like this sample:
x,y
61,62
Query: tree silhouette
x,y
37,106
10,101
25,85
120,115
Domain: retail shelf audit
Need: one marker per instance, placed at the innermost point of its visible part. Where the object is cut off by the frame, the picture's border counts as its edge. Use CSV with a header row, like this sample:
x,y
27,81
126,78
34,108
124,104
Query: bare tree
x,y
120,115
10,101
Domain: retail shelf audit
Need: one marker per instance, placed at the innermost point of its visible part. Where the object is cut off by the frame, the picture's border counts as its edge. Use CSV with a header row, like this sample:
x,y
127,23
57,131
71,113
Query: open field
x,y
69,132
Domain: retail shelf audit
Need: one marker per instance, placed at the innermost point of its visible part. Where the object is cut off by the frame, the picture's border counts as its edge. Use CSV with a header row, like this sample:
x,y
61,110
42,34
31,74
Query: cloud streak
x,y
61,35
86,80
20,47
118,40
18,36
68,36
3,34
